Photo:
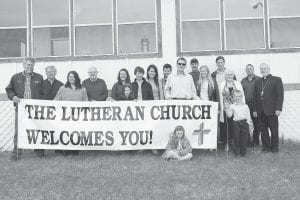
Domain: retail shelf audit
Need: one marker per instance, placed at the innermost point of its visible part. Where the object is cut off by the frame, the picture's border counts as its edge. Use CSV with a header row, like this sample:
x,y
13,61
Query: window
x,y
50,28
73,28
200,25
13,28
244,27
137,26
284,23
237,25
93,27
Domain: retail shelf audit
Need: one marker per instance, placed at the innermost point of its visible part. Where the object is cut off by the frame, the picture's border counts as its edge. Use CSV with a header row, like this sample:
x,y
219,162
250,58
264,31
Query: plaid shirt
x,y
27,91
163,81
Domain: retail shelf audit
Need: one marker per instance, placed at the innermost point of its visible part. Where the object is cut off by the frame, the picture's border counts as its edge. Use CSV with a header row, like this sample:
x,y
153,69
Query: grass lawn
x,y
130,175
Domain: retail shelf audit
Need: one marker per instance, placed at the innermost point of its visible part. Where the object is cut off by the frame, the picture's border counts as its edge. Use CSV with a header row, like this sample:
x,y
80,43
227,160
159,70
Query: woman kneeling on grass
x,y
178,147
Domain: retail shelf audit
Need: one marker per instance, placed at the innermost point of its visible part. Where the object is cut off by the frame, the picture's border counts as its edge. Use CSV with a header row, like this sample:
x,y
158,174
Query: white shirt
x,y
204,90
140,95
180,86
240,112
238,86
220,77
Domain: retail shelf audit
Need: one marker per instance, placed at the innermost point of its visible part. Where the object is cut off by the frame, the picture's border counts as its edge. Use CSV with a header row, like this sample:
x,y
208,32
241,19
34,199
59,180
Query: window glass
x,y
50,12
94,40
201,35
199,9
285,32
12,13
136,10
93,11
13,42
245,34
137,38
51,42
284,7
242,8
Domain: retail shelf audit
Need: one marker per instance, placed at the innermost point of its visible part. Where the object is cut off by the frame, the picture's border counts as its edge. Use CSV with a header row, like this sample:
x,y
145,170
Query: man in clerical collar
x,y
268,97
248,84
95,87
180,85
24,85
50,85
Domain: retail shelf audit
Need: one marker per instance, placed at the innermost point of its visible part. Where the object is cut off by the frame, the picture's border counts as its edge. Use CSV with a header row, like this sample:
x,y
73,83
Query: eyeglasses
x,y
181,64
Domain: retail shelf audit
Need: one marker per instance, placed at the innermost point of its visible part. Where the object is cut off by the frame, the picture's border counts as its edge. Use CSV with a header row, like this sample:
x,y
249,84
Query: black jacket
x,y
16,86
147,93
272,98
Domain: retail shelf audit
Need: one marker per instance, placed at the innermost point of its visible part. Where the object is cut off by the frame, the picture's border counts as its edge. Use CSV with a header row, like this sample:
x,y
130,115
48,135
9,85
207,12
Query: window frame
x,y
72,46
50,26
26,27
224,51
269,27
179,32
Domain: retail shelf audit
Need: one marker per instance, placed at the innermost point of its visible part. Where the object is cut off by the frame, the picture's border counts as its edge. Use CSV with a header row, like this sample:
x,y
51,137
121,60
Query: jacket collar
x,y
23,73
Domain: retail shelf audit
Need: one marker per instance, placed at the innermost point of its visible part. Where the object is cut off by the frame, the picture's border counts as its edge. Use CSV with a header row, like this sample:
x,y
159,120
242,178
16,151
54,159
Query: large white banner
x,y
119,125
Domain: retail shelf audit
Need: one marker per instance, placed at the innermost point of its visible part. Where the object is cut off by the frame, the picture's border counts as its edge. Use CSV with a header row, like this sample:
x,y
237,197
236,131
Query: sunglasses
x,y
181,64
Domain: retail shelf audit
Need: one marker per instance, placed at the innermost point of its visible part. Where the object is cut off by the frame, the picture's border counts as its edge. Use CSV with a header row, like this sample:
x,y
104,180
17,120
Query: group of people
x,y
255,99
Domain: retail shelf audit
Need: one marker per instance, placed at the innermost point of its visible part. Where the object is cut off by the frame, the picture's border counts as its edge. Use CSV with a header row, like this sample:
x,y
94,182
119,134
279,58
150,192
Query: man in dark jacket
x,y
219,77
141,88
248,84
50,85
268,97
24,85
195,71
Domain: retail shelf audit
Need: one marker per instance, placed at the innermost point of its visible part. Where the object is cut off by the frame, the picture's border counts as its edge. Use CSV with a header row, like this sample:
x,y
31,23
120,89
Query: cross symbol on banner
x,y
200,133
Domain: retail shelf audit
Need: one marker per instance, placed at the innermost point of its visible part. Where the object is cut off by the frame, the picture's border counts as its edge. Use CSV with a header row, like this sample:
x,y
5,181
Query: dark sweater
x,y
147,93
49,91
195,75
97,90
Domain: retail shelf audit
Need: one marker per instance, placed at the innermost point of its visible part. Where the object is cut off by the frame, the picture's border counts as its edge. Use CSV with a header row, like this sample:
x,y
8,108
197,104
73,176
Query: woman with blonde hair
x,y
206,86
227,89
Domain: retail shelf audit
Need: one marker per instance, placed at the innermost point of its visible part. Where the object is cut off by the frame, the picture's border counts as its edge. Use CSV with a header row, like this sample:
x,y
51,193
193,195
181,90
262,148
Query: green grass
x,y
128,175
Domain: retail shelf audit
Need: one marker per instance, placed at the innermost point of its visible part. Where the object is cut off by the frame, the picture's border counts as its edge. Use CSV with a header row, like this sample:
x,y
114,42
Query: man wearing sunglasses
x,y
180,85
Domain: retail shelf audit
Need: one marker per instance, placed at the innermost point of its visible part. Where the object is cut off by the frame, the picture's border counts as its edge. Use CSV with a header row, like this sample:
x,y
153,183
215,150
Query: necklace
x,y
263,88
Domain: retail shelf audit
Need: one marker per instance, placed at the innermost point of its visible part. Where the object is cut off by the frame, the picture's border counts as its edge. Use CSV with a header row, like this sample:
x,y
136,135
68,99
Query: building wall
x,y
285,65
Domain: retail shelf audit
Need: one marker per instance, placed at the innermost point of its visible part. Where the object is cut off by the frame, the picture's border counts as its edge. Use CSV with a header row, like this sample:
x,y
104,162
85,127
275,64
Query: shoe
x,y
265,151
40,154
227,148
13,157
154,151
59,151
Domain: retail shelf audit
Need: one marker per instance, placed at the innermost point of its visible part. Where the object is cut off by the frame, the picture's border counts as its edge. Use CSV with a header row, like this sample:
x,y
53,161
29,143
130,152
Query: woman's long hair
x,y
156,73
77,80
127,78
209,79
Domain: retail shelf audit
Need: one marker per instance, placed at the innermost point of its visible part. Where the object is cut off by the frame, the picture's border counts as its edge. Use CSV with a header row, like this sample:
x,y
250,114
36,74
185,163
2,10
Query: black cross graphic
x,y
200,133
